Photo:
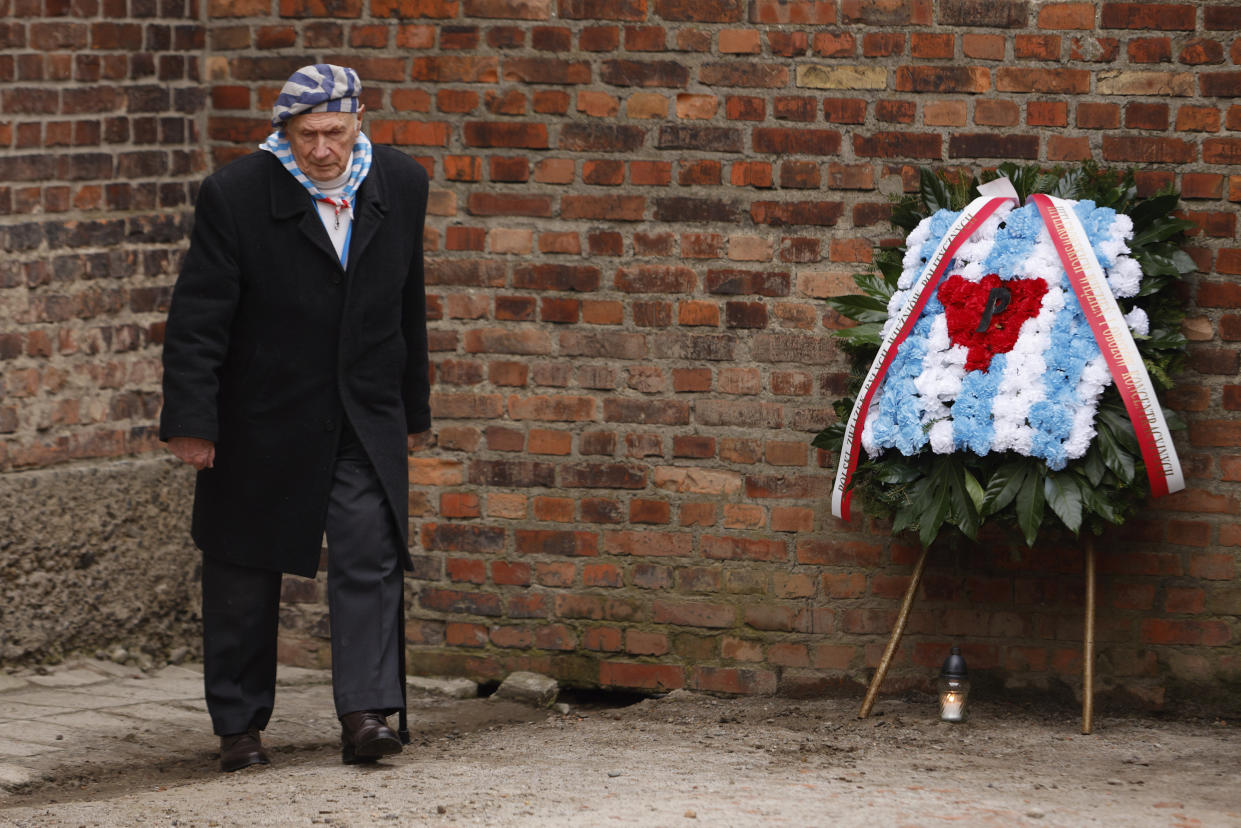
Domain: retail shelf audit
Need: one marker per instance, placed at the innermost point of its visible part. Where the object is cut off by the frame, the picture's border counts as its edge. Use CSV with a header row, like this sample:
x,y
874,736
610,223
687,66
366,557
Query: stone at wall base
x,y
452,688
528,688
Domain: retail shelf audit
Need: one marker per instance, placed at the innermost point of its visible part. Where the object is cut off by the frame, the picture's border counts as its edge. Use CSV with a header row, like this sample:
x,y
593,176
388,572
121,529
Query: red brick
x,y
1148,150
983,47
1221,151
1067,16
612,208
834,44
606,639
895,112
693,614
882,44
799,108
931,46
745,108
659,677
844,110
1197,119
1150,50
1036,47
1155,16
1048,81
788,44
812,12
886,12
701,11
1047,113
943,79
1197,633
505,134
1147,116
456,69
996,113
898,145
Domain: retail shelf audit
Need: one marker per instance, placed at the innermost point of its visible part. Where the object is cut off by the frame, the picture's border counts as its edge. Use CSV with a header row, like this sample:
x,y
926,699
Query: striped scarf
x,y
278,145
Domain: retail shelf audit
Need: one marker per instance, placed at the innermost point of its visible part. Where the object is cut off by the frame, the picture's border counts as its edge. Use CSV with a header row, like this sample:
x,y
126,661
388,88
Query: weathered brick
x,y
701,11
592,137
1155,16
744,75
990,13
1148,150
886,12
993,146
648,74
706,139
841,77
632,10
505,134
1048,81
783,214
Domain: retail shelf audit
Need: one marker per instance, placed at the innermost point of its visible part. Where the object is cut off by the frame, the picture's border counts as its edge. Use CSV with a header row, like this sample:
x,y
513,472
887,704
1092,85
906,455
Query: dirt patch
x,y
683,759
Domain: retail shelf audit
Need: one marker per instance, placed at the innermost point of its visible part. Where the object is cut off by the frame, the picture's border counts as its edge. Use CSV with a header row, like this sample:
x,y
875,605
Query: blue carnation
x,y
1023,223
1097,221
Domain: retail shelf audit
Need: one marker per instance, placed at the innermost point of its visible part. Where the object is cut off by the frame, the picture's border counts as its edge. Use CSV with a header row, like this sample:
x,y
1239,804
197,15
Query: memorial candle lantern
x,y
954,687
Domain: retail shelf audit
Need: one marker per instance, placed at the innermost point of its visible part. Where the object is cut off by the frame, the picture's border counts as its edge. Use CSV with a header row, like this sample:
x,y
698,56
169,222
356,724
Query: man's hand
x,y
196,451
421,440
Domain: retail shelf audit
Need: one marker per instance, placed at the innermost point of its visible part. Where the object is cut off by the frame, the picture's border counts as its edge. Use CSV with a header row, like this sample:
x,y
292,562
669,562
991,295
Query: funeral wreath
x,y
1006,358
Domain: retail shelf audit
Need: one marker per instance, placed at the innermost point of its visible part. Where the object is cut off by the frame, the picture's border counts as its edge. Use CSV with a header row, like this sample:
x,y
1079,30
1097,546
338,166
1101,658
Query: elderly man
x,y
295,369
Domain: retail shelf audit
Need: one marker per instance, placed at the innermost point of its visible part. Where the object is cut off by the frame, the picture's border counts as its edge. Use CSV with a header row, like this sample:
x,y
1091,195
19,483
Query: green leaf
x,y
1160,230
876,286
1064,495
1099,502
905,518
831,438
1184,262
1145,212
870,333
1119,461
861,307
1092,466
1030,503
1154,264
934,512
933,191
898,473
974,489
1003,486
1116,418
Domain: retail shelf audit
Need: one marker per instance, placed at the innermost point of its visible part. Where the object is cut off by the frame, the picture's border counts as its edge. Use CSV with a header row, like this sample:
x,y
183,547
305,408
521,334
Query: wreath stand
x,y
1087,638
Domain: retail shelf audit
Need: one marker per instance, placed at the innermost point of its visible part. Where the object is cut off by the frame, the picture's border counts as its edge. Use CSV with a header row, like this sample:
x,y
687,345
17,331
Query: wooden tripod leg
x,y
1088,643
895,640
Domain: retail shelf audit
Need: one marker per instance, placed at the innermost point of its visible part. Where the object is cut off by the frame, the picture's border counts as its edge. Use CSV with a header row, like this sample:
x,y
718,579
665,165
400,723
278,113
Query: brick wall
x,y
637,209
100,103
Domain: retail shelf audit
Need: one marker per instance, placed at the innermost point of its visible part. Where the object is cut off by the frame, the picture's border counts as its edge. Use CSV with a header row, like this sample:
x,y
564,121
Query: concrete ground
x,y
97,744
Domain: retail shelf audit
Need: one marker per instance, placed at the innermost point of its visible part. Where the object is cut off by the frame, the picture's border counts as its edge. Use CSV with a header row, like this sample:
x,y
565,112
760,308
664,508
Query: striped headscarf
x,y
320,87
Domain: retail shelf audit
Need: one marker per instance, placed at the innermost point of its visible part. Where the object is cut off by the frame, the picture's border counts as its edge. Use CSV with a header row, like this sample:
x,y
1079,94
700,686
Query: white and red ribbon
x,y
1068,236
994,195
1099,305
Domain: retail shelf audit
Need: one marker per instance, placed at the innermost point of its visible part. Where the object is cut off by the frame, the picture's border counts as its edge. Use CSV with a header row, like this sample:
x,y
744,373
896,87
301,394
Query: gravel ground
x,y
680,760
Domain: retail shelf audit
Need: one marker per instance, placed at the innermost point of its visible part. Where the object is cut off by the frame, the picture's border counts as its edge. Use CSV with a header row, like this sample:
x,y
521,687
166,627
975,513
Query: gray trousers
x,y
241,610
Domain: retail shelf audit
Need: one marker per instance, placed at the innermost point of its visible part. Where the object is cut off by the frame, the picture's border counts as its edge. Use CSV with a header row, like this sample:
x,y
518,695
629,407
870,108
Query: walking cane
x,y
402,728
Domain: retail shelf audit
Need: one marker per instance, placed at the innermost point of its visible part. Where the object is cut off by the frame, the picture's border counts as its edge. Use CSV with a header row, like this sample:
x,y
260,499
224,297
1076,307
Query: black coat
x,y
271,344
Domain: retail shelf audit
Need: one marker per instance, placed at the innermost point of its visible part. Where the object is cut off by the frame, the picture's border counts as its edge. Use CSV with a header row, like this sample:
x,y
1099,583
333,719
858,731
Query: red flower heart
x,y
986,316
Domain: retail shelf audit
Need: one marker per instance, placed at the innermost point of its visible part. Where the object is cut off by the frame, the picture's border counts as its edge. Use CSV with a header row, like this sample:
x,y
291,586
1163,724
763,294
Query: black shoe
x,y
365,737
241,750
